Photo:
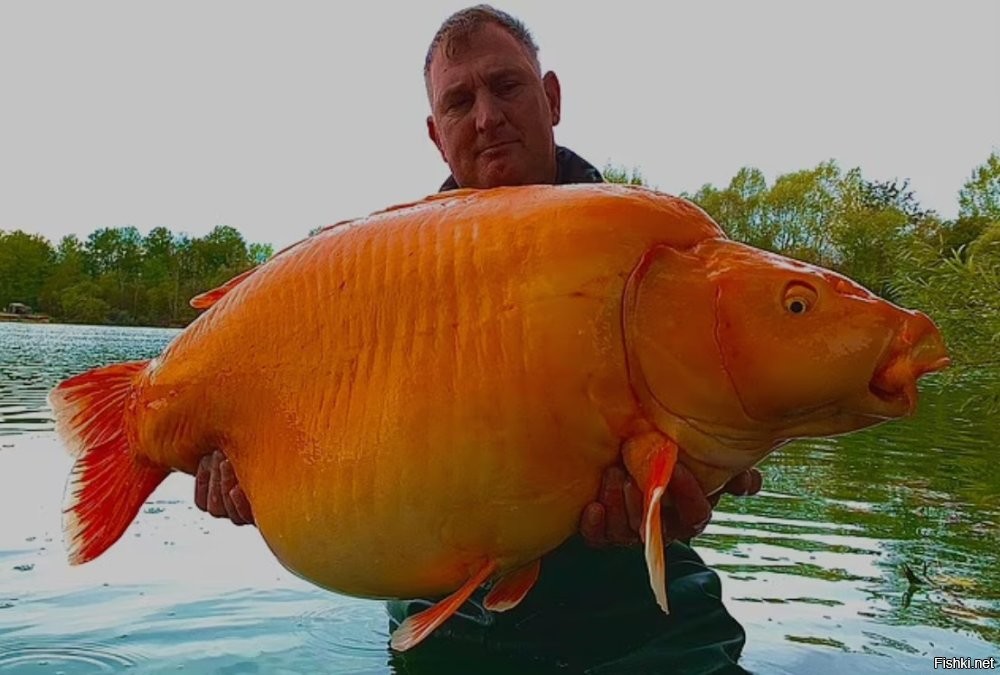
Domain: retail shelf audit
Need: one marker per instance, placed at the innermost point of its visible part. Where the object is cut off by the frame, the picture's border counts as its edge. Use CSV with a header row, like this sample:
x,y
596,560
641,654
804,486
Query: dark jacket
x,y
570,168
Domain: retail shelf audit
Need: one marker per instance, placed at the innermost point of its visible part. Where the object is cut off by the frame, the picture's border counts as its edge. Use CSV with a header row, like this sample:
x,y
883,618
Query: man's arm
x,y
614,519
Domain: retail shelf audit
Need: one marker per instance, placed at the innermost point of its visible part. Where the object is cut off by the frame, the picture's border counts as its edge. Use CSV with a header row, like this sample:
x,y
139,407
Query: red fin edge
x,y
109,483
661,468
511,589
417,627
650,458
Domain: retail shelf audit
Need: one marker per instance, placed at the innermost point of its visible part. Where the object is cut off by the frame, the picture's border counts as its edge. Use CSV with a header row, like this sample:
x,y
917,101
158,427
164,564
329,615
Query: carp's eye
x,y
799,298
797,305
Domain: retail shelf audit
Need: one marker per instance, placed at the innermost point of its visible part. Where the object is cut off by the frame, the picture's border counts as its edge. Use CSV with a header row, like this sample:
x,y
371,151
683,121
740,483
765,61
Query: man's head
x,y
492,110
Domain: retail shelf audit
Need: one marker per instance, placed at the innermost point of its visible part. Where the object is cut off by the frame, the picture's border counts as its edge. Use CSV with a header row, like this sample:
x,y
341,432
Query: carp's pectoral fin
x,y
417,627
510,590
650,459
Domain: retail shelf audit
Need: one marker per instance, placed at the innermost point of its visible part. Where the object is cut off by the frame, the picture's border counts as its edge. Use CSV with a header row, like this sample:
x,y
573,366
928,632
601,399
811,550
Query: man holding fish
x,y
492,118
441,421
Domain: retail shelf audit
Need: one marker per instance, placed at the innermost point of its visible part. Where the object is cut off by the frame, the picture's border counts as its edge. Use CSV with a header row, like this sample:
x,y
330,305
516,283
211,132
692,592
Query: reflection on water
x,y
826,554
817,568
34,358
52,654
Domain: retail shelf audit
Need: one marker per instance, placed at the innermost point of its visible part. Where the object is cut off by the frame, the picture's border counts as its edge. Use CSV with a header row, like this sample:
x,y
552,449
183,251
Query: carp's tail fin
x,y
109,481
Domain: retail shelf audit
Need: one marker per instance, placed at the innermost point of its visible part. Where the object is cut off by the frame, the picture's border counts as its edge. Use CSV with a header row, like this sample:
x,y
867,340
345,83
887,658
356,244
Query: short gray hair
x,y
456,30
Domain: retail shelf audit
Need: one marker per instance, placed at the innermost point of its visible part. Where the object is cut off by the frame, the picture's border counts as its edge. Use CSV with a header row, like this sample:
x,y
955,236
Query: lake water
x,y
812,567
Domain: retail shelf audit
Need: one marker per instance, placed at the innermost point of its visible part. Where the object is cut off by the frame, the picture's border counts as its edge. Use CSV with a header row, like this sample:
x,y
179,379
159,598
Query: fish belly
x,y
402,403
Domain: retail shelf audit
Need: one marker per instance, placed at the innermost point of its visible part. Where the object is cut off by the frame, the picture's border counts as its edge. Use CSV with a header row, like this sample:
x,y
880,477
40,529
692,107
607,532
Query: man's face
x,y
492,114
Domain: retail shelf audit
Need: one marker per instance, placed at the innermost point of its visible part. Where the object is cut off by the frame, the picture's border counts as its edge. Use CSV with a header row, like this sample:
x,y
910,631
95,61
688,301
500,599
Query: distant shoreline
x,y
49,321
24,318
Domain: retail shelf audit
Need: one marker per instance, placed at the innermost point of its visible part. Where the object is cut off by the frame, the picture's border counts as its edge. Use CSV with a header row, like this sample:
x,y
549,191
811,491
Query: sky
x,y
279,117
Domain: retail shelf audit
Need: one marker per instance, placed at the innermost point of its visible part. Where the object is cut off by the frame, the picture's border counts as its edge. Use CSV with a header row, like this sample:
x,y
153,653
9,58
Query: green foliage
x,y
261,253
81,303
980,196
987,245
118,276
802,208
961,292
741,208
25,262
619,174
877,233
67,270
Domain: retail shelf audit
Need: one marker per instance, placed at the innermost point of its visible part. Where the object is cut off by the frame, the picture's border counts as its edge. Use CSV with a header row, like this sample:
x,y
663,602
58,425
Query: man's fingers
x,y
692,507
201,482
615,512
231,512
747,483
738,484
216,505
236,503
633,505
217,490
592,525
672,528
227,483
227,476
242,505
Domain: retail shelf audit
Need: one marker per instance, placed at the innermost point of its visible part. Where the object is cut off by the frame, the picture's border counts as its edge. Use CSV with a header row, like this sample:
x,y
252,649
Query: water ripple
x,y
94,657
345,630
35,358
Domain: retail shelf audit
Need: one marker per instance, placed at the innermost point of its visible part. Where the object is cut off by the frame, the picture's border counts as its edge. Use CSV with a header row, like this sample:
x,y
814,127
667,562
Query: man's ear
x,y
433,134
554,94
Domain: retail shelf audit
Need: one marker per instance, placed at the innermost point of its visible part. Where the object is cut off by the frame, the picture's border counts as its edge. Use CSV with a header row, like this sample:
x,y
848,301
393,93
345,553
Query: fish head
x,y
805,345
751,348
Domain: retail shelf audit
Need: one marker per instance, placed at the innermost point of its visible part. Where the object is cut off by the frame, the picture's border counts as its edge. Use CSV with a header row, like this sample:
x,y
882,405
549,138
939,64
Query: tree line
x,y
117,276
874,231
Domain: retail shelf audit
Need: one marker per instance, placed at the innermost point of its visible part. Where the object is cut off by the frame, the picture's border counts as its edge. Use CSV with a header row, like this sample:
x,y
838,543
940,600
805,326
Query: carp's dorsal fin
x,y
209,298
429,199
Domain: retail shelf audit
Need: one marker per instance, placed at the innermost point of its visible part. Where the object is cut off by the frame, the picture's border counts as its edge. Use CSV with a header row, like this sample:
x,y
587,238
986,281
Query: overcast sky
x,y
279,117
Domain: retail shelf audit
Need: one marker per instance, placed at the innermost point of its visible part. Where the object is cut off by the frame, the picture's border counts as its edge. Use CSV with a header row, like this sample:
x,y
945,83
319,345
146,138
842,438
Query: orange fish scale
x,y
405,397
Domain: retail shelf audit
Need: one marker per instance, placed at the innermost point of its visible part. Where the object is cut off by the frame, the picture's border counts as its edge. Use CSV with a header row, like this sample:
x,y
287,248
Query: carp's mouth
x,y
912,355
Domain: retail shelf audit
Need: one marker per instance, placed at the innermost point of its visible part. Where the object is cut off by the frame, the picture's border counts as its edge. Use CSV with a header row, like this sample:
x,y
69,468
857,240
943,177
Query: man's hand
x,y
616,517
216,490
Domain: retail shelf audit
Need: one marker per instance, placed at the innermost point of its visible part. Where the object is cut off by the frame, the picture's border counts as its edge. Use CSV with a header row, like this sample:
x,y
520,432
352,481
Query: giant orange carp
x,y
424,400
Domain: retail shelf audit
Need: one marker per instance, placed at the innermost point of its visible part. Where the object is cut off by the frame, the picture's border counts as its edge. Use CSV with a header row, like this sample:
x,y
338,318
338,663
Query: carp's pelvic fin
x,y
510,590
109,482
650,458
417,627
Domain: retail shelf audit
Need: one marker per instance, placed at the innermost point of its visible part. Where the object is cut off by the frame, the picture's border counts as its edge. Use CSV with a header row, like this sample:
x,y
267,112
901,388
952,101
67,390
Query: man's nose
x,y
489,113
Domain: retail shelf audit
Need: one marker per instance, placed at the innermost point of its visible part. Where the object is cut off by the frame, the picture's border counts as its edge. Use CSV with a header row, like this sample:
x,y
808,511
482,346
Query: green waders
x,y
591,612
